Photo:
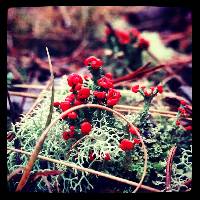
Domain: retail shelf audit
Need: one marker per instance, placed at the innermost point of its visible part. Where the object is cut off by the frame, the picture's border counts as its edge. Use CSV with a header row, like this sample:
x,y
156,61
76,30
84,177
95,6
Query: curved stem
x,y
43,136
169,167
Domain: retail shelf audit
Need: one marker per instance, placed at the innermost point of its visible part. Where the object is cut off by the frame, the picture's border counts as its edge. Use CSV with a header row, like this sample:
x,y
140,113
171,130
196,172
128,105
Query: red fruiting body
x,y
178,122
99,95
113,97
160,88
132,130
126,145
182,102
107,156
123,37
105,82
72,115
112,102
77,102
70,98
108,75
135,32
91,156
143,44
72,128
83,93
147,93
188,128
74,79
182,110
86,127
86,77
56,104
136,141
65,105
152,89
78,87
107,31
94,62
135,88
66,135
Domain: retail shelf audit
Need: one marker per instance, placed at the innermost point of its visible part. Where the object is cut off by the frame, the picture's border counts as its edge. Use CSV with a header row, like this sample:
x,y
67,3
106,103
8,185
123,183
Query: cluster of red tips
x,y
183,112
105,82
69,134
147,92
94,62
92,156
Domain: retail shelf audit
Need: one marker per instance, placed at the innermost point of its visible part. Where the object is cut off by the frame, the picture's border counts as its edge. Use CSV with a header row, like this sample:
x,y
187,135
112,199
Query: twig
x,y
75,144
15,172
12,110
23,94
44,178
43,136
26,86
68,164
169,168
131,75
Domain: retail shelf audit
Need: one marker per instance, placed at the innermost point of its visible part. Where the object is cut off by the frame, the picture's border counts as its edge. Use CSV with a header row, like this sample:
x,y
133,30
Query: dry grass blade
x,y
23,94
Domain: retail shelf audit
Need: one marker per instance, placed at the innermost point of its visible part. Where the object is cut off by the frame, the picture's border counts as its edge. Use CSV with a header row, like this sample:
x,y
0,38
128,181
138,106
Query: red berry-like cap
x,y
123,36
107,156
70,98
136,141
65,105
188,128
72,115
99,95
83,93
105,82
91,156
143,43
66,135
94,62
113,97
108,75
160,88
73,79
182,110
56,104
135,88
147,92
72,128
182,102
178,122
135,32
132,130
77,102
126,145
86,127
